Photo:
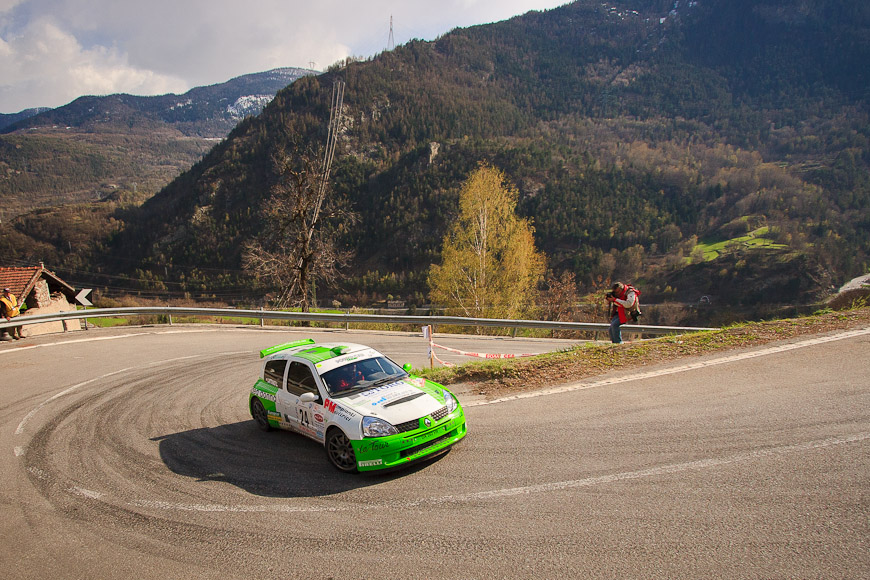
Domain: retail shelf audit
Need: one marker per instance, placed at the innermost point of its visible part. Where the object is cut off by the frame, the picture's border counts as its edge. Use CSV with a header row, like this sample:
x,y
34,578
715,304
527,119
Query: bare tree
x,y
298,245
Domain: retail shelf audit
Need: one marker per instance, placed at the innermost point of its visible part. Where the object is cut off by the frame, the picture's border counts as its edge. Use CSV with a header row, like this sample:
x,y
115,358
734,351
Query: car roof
x,y
326,355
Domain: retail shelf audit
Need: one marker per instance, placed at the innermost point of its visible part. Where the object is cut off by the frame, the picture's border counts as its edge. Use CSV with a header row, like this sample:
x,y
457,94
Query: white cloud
x,y
7,5
44,66
52,51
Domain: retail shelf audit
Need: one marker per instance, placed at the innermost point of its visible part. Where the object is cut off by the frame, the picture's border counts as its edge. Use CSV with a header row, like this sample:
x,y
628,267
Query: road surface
x,y
129,453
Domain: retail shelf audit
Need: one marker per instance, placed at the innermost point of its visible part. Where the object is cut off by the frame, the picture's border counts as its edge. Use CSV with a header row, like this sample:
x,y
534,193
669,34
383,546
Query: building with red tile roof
x,y
42,291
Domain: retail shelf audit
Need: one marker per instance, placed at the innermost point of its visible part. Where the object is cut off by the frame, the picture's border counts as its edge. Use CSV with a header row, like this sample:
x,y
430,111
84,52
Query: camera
x,y
610,295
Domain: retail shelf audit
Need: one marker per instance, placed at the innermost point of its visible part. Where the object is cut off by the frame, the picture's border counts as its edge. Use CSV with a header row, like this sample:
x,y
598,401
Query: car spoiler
x,y
273,349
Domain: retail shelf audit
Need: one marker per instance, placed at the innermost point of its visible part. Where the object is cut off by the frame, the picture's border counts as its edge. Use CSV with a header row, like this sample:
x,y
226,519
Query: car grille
x,y
412,450
440,414
415,423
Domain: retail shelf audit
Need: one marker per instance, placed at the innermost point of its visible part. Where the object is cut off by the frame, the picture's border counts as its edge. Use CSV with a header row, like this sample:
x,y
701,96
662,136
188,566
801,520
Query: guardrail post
x,y
262,320
170,319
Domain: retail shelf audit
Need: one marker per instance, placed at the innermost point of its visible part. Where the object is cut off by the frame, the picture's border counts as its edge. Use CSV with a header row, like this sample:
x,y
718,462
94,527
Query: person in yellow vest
x,y
9,309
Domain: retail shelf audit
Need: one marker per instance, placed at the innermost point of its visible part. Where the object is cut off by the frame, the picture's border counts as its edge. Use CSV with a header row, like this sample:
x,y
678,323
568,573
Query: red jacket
x,y
626,300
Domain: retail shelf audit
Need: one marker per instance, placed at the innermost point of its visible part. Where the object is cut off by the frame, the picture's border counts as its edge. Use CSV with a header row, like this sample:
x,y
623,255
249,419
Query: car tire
x,y
340,451
258,412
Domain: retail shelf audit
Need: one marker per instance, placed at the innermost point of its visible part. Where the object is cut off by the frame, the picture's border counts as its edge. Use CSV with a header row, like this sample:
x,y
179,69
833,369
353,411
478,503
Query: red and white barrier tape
x,y
481,354
445,363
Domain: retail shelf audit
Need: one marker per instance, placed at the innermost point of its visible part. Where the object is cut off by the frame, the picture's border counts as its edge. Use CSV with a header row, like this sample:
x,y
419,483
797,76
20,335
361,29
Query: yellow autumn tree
x,y
489,265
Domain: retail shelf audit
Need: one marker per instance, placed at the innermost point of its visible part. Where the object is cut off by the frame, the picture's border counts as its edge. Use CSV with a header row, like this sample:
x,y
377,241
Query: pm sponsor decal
x,y
338,410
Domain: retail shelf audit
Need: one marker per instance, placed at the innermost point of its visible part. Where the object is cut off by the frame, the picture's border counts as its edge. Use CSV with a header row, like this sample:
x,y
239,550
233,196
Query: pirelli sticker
x,y
264,395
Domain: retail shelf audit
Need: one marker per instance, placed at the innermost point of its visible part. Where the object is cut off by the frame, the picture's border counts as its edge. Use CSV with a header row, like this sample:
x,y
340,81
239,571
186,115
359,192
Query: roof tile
x,y
18,279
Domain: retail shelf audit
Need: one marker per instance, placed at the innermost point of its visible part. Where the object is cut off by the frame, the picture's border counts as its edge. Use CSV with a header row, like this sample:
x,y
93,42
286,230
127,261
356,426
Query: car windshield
x,y
361,374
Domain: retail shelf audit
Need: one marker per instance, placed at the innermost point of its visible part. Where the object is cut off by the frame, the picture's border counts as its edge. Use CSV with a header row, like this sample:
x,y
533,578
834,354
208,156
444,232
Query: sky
x,y
54,51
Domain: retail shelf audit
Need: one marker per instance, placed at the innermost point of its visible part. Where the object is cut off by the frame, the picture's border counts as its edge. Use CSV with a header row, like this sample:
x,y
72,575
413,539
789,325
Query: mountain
x,y
712,148
9,119
209,112
95,146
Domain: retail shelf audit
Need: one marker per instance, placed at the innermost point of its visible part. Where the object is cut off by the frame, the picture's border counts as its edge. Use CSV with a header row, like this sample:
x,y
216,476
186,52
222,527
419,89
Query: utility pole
x,y
314,217
331,138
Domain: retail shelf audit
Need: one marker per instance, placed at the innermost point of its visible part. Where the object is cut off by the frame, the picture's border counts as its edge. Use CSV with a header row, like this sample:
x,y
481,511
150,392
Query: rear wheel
x,y
258,412
340,451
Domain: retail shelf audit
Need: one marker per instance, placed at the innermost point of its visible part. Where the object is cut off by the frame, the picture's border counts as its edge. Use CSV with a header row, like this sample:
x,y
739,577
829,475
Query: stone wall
x,y
48,304
40,297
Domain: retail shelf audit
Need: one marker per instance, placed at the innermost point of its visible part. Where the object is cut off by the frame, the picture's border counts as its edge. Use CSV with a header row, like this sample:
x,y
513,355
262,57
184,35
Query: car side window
x,y
273,373
300,380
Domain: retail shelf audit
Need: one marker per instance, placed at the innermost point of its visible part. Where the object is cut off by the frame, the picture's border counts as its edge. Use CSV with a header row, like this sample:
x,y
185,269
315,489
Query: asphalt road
x,y
130,454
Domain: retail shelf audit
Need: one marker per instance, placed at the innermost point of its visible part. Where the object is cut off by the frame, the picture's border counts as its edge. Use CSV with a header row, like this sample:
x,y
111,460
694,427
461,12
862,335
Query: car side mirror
x,y
407,368
307,398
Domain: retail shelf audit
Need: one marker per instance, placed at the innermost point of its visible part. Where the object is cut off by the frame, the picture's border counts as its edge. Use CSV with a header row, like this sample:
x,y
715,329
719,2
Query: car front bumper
x,y
377,453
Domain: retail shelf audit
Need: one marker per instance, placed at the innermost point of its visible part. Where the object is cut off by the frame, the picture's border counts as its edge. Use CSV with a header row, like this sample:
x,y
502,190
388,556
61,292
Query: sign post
x,y
427,333
82,298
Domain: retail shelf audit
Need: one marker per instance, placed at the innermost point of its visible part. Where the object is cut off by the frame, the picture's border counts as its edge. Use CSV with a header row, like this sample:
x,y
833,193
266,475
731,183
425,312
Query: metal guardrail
x,y
345,319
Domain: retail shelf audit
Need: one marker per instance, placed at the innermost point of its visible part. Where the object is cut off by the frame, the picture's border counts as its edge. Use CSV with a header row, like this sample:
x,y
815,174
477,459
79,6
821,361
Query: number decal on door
x,y
304,417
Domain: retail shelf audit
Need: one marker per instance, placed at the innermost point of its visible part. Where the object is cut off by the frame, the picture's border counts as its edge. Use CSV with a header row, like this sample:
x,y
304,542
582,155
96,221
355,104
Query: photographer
x,y
624,301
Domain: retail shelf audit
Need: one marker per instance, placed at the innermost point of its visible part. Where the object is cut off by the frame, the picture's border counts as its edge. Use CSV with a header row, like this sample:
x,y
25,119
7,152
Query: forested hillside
x,y
716,148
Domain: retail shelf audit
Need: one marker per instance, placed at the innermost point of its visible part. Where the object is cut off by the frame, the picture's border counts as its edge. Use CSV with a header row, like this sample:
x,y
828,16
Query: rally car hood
x,y
397,402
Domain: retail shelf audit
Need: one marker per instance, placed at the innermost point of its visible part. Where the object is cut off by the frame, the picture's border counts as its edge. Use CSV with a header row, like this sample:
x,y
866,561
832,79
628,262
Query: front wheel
x,y
258,412
340,451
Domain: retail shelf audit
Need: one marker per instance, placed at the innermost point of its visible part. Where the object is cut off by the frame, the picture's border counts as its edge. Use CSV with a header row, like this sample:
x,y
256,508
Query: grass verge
x,y
498,377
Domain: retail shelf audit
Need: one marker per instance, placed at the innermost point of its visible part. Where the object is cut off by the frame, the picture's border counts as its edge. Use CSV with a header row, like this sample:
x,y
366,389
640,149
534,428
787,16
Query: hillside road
x,y
130,453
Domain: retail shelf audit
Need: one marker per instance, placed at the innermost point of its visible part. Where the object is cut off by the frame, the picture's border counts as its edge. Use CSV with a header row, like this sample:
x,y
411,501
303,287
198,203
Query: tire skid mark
x,y
20,429
696,465
64,485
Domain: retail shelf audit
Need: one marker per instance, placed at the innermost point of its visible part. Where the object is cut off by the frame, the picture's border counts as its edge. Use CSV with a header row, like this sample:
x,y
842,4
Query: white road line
x,y
35,410
518,491
665,469
96,338
673,370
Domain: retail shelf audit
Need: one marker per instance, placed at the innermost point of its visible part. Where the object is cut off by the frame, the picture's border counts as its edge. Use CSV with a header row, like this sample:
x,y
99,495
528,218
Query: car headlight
x,y
450,401
374,427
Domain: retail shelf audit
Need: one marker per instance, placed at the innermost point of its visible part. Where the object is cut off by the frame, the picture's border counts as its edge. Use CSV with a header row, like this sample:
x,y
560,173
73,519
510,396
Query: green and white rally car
x,y
367,411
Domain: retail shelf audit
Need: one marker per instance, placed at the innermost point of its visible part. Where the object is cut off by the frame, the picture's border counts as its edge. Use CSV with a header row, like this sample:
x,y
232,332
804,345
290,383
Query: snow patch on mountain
x,y
248,105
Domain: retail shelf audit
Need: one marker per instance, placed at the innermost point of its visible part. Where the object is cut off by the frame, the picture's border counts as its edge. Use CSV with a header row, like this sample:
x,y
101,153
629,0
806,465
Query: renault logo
x,y
427,422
